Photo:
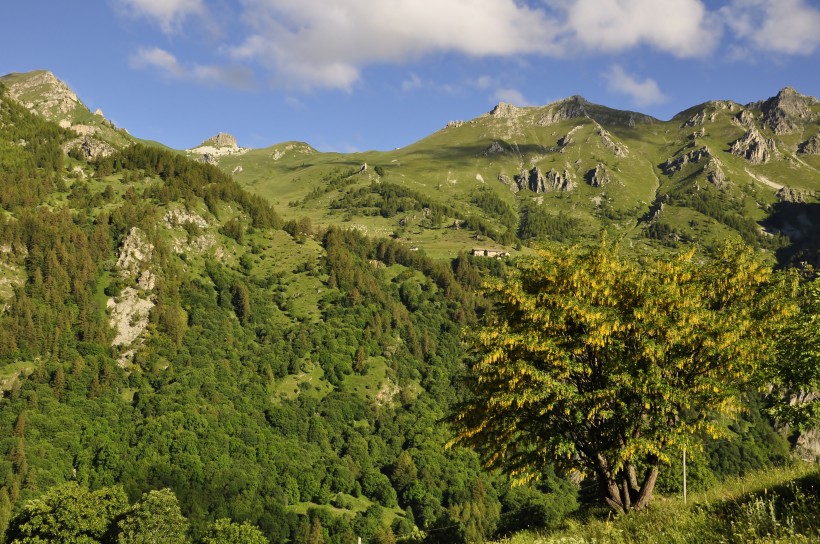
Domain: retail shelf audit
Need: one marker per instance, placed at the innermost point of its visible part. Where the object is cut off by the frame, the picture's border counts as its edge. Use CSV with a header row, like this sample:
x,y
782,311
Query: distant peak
x,y
788,111
505,109
222,139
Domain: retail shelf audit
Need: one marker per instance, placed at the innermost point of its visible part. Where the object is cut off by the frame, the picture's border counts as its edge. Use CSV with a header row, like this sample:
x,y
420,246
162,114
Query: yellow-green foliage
x,y
604,365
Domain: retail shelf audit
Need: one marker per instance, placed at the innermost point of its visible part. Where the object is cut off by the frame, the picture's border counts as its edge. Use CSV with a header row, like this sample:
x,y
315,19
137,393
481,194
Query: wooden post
x,y
684,475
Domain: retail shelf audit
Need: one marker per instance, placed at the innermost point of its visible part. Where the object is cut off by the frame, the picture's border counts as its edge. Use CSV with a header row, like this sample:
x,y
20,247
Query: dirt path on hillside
x,y
764,180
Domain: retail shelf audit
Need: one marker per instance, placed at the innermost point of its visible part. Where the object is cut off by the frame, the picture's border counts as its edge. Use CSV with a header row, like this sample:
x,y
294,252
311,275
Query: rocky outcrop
x,y
494,148
91,148
222,139
129,311
618,149
220,145
753,147
746,119
454,124
676,164
810,146
788,194
208,158
787,111
598,176
44,94
538,182
576,107
714,173
505,111
176,217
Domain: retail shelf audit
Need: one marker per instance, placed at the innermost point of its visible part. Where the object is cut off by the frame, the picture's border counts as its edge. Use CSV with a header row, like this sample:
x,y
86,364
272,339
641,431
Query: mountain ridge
x,y
593,165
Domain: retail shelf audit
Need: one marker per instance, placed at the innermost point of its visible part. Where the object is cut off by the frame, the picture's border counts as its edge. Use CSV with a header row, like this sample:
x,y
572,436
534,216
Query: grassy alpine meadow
x,y
775,505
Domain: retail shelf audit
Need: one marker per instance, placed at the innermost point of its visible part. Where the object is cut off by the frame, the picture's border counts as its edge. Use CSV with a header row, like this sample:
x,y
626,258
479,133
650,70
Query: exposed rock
x,y
176,217
714,173
99,112
91,148
700,119
494,149
618,149
505,179
578,107
220,145
237,170
220,140
807,445
673,165
598,176
505,111
537,182
208,158
362,168
135,254
753,147
787,111
454,124
788,194
46,95
746,119
85,130
810,146
128,316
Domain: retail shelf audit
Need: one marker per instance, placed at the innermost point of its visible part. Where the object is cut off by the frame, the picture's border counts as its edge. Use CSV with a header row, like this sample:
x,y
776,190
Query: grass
x,y
772,506
450,164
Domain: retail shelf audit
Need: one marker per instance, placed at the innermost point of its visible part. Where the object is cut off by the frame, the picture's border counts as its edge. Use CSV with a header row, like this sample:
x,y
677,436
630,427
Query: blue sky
x,y
348,75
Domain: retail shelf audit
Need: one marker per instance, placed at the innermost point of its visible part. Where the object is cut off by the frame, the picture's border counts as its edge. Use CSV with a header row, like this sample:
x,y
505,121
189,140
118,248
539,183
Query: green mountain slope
x,y
565,171
164,326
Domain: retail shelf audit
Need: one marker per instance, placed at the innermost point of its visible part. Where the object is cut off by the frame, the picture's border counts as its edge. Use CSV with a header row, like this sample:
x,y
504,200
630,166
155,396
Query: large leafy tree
x,y
604,365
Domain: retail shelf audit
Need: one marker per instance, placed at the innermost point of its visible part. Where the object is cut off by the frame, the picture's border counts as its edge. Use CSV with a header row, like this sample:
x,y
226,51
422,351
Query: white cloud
x,y
683,28
168,14
238,77
512,96
412,83
642,93
321,44
780,26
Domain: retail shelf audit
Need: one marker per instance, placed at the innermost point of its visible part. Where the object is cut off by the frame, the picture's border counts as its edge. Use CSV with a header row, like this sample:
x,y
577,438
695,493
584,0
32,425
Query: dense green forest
x,y
288,381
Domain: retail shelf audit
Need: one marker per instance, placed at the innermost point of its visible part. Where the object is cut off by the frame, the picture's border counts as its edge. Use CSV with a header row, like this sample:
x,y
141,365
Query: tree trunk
x,y
648,486
621,490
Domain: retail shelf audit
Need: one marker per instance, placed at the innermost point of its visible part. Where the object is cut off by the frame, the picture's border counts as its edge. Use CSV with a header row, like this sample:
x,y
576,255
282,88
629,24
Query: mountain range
x,y
275,334
516,175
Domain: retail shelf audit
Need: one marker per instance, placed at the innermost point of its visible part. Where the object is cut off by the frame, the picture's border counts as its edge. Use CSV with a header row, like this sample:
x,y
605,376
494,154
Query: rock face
x,y
788,194
91,148
746,119
787,111
128,312
538,182
505,111
617,149
598,176
753,147
715,174
220,140
810,146
494,149
673,165
46,95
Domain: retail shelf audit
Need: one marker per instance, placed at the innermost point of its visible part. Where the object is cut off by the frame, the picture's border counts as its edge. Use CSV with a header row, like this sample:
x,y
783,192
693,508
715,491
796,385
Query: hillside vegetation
x,y
276,355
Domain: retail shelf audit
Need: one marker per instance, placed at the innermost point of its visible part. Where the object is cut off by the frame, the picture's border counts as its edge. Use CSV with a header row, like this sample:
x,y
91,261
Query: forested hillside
x,y
165,329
